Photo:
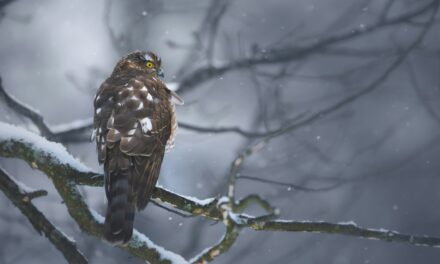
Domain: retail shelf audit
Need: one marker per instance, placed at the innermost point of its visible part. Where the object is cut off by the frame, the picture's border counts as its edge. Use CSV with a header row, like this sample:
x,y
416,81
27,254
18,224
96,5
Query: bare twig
x,y
290,185
225,243
289,54
172,210
248,134
81,132
3,5
26,111
368,89
206,34
423,100
211,22
260,223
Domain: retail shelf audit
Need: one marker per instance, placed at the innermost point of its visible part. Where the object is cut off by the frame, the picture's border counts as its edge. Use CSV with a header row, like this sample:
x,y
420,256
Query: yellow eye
x,y
150,64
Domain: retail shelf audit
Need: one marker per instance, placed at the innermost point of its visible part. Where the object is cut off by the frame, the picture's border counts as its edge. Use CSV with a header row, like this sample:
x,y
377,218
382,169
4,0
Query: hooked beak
x,y
160,73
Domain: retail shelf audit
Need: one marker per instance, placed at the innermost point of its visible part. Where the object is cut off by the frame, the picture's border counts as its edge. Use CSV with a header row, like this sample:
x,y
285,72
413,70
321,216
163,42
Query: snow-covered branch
x,y
74,132
22,197
67,172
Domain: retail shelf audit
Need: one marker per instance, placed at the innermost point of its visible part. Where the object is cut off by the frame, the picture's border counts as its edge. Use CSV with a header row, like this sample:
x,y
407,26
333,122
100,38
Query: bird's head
x,y
142,61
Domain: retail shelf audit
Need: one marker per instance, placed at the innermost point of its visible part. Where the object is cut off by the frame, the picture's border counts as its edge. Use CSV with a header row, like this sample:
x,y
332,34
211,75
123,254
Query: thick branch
x,y
22,200
225,243
64,171
26,111
71,135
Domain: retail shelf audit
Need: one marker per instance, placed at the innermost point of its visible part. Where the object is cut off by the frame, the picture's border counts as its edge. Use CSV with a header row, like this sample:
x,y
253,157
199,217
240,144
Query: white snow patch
x,y
348,223
99,218
146,124
304,221
382,230
67,236
58,151
222,200
23,187
191,198
149,97
206,250
237,219
24,104
140,240
201,202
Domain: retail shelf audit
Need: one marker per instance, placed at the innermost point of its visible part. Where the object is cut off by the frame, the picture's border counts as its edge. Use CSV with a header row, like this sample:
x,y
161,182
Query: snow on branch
x,y
21,197
55,150
64,171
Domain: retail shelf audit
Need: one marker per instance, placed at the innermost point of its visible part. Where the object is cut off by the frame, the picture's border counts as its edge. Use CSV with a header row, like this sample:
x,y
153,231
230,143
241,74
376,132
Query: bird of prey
x,y
134,124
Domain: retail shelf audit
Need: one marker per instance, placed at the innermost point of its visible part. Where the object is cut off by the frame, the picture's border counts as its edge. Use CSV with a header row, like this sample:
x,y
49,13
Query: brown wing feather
x,y
133,117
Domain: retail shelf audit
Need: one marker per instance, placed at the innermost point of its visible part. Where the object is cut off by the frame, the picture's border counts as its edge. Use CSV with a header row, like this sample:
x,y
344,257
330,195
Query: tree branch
x,y
225,243
22,200
66,172
289,185
289,54
349,229
52,159
232,220
80,130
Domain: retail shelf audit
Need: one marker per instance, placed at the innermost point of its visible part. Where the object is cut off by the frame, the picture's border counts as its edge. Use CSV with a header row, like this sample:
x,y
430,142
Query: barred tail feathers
x,y
118,226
